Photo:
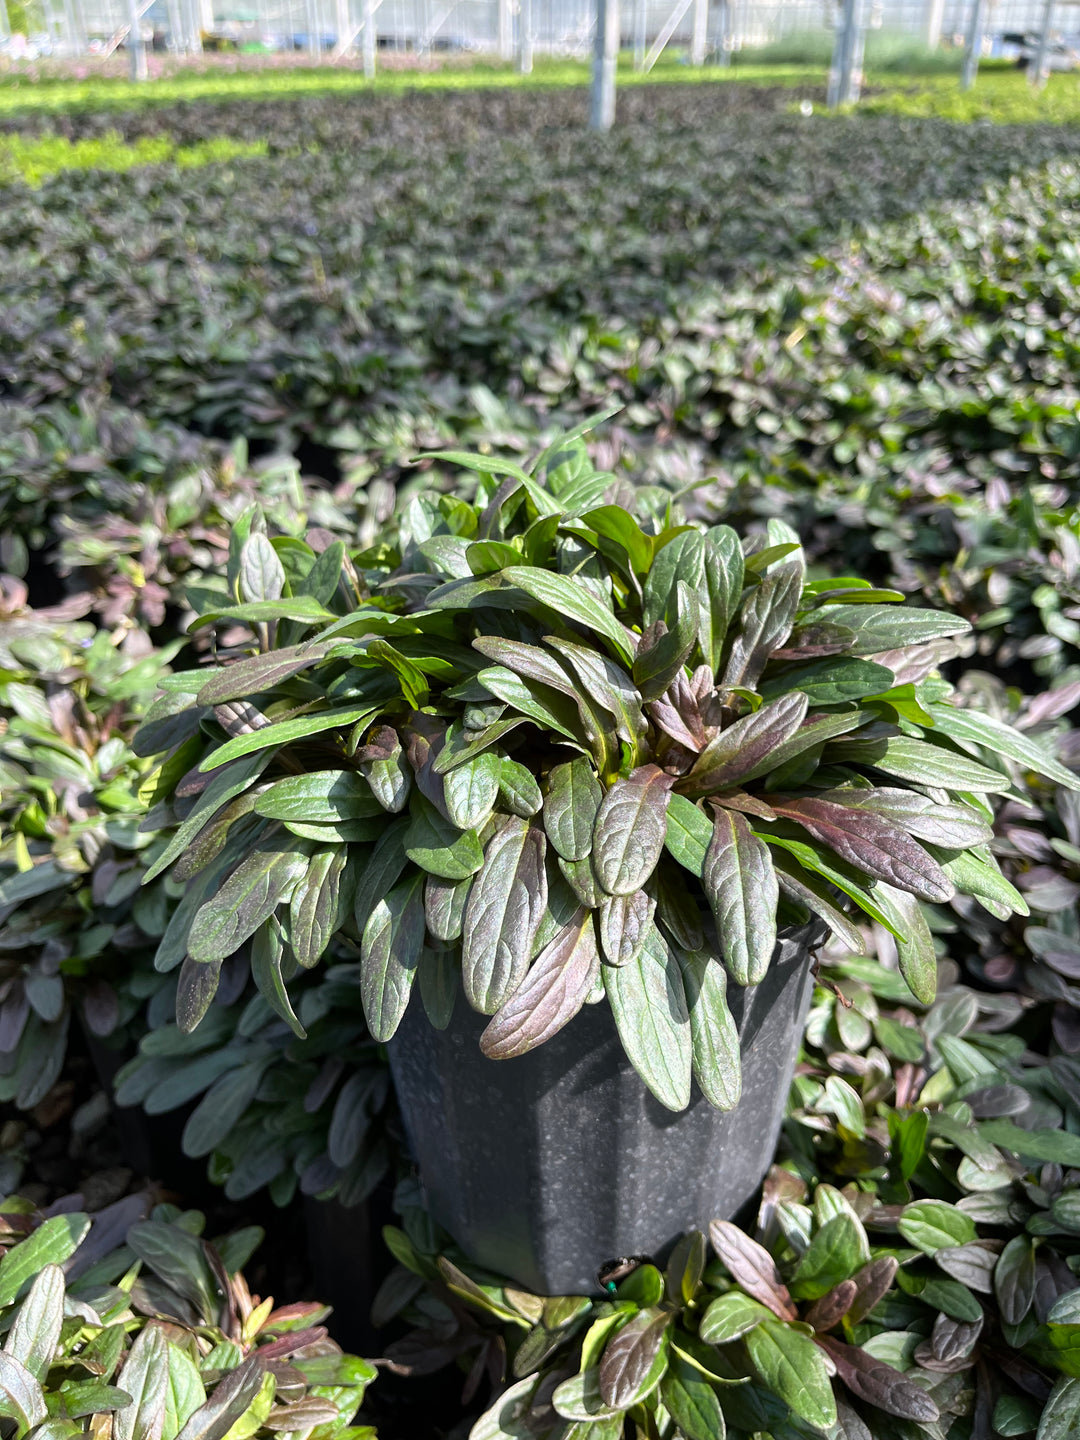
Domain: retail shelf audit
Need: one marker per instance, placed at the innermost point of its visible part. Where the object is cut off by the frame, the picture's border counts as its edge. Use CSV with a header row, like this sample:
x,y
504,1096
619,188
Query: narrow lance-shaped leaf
x,y
470,790
634,1359
792,1366
742,890
625,921
389,954
870,843
746,749
723,571
570,805
571,601
551,994
34,1336
717,1062
879,1384
609,686
630,828
251,894
752,1267
916,955
21,1395
664,649
648,1001
765,622
503,914
313,907
267,949
954,827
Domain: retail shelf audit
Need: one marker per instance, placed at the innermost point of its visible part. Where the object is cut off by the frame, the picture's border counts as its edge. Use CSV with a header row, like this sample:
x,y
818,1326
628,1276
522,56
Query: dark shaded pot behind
x,y
547,1166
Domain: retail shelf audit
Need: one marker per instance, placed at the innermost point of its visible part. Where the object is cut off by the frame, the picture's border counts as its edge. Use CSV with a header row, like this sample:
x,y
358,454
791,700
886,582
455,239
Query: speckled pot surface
x,y
547,1166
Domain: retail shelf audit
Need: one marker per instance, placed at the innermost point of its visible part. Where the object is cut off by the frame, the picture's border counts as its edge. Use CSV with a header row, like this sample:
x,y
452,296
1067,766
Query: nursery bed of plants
x,y
857,331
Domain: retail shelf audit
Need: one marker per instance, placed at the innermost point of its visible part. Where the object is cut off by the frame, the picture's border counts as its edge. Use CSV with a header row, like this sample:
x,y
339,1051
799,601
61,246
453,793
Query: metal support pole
x,y
506,31
973,49
723,33
700,33
525,37
640,25
343,40
369,39
605,56
176,35
1040,72
136,49
845,73
311,12
935,18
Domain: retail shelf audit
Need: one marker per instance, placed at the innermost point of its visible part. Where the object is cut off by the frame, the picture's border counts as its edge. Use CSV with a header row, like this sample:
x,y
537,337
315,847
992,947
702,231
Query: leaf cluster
x,y
130,1323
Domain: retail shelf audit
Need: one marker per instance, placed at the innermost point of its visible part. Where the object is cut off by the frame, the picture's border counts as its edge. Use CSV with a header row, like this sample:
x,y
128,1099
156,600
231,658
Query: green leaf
x,y
223,1106
221,789
50,1244
260,673
268,612
731,1316
983,879
285,732
688,834
915,947
692,1402
471,790
389,955
438,847
1047,1146
541,703
1015,1279
790,1364
33,1338
570,805
723,571
321,797
444,906
609,686
630,829
185,1392
889,627
21,1396
830,681
931,1225
648,1001
518,790
178,1257
836,1251
502,915
742,890
921,763
570,601
551,994
266,954
973,730
313,906
613,522
263,880
1060,1418
663,652
145,1377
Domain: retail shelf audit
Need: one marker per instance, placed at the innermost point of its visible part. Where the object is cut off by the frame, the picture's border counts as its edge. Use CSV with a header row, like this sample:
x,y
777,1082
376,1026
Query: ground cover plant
x,y
336,313
128,1322
912,1270
546,695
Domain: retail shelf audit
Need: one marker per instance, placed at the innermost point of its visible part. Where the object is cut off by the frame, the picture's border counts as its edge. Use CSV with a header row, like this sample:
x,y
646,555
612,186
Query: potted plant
x,y
589,782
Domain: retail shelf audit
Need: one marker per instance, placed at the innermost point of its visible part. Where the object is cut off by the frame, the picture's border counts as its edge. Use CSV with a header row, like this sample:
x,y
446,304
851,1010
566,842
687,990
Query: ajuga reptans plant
x,y
529,748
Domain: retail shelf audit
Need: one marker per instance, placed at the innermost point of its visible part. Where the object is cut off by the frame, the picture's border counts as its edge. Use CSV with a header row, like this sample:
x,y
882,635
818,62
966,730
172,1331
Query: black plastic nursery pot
x,y
545,1167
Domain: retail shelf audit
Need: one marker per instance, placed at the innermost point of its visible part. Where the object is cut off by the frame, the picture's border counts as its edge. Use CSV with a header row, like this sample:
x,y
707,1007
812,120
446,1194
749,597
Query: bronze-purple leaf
x,y
739,752
766,619
625,921
752,1268
632,1356
551,994
872,844
502,915
630,829
831,1308
872,1284
877,1383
